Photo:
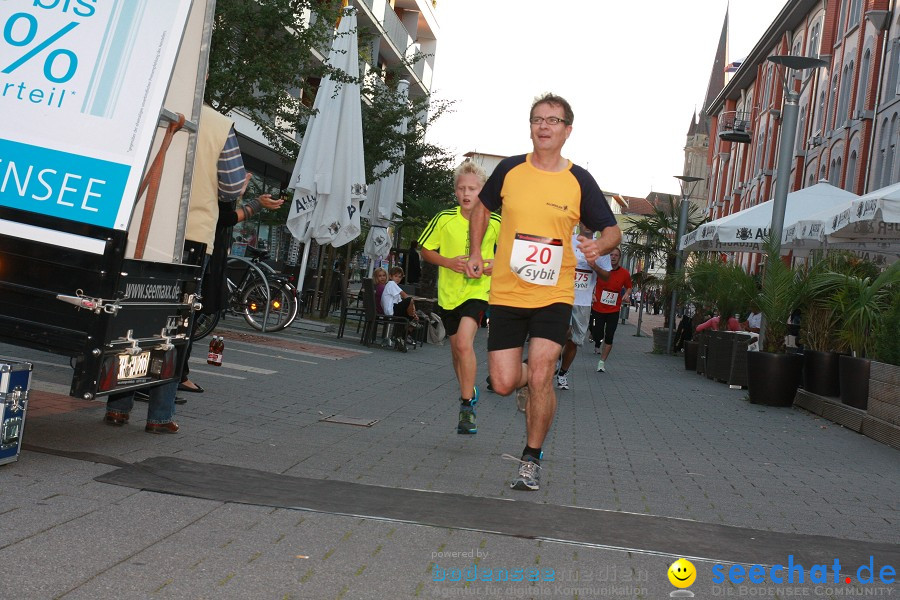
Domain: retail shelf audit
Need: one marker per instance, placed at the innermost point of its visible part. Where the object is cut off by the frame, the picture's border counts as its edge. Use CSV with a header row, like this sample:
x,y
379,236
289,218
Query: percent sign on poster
x,y
24,36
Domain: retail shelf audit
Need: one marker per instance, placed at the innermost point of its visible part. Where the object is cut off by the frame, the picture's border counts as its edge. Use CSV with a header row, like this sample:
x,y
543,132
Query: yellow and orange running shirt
x,y
535,264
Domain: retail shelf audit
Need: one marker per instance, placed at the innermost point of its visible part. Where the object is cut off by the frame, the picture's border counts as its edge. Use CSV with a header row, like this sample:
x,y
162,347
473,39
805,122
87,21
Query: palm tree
x,y
653,239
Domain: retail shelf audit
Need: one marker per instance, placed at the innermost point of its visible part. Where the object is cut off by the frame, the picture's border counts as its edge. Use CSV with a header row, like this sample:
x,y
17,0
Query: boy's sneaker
x,y
466,420
601,366
596,349
528,479
522,395
562,381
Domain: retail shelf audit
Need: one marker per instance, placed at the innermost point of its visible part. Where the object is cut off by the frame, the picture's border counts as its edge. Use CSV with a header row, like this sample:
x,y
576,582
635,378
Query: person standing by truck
x,y
219,180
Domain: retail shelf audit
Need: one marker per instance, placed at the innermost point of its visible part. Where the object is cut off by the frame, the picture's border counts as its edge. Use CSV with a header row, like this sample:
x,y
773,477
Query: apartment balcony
x,y
735,127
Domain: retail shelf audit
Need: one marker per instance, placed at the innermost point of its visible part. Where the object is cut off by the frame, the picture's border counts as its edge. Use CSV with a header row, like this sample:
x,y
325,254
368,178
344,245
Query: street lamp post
x,y
788,135
687,183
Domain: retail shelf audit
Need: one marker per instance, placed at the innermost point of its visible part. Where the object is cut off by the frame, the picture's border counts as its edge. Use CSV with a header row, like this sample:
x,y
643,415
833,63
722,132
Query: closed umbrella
x,y
329,176
745,231
384,198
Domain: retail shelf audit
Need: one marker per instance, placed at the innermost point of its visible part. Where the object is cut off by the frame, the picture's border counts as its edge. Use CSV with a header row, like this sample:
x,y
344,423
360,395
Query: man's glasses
x,y
549,120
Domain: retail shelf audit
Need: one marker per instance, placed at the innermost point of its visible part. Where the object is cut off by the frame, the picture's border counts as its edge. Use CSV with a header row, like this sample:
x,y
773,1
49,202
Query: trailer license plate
x,y
133,366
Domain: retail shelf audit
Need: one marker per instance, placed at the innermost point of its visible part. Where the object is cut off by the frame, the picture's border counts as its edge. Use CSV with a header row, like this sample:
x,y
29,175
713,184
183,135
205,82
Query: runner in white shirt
x,y
585,277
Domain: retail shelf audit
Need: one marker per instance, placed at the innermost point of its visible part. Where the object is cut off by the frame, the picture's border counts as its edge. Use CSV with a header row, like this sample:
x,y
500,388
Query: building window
x,y
879,162
832,98
853,16
895,72
863,87
760,138
840,19
820,113
814,36
834,173
800,142
851,172
811,180
844,102
890,152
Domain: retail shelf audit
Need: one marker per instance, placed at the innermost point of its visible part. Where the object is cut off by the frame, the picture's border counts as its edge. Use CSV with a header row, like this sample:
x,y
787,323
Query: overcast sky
x,y
633,72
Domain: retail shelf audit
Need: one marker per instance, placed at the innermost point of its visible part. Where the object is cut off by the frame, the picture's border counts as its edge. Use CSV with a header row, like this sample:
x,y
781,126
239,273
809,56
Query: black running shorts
x,y
511,326
474,309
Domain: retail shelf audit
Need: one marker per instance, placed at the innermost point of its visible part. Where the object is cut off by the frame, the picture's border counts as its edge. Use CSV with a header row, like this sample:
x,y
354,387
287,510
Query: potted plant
x,y
884,381
822,348
859,304
778,372
695,285
652,239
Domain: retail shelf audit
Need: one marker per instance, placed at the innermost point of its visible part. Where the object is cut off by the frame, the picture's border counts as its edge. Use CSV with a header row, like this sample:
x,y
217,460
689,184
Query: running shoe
x,y
522,395
596,349
562,381
601,366
528,479
466,420
400,345
489,387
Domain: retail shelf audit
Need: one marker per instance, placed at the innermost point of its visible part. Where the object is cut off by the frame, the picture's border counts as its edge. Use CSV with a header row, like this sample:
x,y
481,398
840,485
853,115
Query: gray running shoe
x,y
601,367
528,478
562,381
466,420
522,396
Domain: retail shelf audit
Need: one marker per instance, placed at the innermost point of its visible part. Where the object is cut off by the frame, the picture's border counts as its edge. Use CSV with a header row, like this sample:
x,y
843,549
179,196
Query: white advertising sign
x,y
81,86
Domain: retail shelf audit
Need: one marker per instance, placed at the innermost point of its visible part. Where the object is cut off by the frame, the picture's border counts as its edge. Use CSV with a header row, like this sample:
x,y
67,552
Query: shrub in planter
x,y
887,338
774,376
859,303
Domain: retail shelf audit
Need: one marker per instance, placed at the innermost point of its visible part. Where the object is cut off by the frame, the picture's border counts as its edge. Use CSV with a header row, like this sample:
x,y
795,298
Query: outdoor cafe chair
x,y
373,319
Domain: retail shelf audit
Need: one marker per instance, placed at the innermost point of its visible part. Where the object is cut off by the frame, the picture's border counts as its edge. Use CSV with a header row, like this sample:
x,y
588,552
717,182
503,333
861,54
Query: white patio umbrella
x,y
383,199
745,231
868,225
329,178
872,218
378,242
385,195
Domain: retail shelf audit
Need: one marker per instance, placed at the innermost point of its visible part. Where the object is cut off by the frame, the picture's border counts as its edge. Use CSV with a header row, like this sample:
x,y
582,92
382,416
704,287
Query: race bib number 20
x,y
536,259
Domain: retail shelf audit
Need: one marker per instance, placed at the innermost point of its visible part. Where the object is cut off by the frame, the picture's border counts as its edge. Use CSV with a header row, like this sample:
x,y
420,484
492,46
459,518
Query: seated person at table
x,y
733,324
754,320
380,279
394,301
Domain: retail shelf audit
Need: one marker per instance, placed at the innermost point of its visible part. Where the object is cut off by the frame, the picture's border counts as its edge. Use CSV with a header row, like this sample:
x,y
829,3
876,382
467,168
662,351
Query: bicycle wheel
x,y
204,325
281,302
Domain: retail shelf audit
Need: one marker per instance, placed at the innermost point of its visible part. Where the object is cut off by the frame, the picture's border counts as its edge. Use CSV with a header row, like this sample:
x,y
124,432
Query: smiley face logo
x,y
682,573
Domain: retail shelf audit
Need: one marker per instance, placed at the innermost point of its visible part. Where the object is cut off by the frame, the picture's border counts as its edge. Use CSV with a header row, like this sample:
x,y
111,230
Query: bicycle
x,y
267,300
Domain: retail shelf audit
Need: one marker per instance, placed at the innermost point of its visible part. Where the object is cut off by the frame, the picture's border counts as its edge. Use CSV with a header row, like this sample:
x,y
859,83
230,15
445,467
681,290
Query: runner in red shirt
x,y
608,297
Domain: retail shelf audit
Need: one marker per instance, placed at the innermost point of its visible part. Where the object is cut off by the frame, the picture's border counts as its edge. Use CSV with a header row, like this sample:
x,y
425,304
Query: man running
x,y
543,196
585,279
462,300
609,294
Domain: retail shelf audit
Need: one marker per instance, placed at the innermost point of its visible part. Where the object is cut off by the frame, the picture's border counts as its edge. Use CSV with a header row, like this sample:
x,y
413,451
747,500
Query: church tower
x,y
696,147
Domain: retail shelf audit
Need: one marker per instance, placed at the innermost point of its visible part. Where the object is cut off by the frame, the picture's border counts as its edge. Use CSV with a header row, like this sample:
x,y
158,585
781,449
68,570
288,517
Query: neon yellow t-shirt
x,y
448,234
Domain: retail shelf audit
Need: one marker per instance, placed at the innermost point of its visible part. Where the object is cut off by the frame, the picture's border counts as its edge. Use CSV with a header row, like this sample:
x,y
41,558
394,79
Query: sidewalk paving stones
x,y
646,438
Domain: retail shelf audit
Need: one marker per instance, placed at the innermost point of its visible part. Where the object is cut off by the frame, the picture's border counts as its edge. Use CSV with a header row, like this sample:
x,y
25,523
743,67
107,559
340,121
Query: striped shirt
x,y
231,171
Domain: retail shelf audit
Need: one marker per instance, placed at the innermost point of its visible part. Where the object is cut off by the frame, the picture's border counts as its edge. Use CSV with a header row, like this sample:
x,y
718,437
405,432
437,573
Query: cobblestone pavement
x,y
645,438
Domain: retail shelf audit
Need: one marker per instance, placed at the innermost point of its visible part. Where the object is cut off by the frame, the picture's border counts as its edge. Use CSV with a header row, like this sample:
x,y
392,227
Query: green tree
x,y
262,62
653,239
428,167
